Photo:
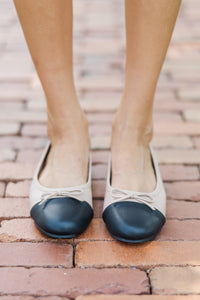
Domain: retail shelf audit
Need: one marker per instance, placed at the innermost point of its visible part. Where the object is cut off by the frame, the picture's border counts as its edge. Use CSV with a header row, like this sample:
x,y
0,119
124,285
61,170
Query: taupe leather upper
x,y
38,192
154,199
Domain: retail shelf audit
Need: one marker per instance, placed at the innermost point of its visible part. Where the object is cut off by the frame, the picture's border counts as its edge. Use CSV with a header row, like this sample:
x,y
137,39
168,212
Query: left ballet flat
x,y
60,212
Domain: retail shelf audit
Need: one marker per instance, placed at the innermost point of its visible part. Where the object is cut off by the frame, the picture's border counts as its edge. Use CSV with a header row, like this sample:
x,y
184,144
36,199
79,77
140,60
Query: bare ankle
x,y
141,130
60,129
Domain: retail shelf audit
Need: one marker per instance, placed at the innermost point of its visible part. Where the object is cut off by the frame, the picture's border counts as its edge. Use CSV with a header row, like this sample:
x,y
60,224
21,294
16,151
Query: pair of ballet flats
x,y
66,212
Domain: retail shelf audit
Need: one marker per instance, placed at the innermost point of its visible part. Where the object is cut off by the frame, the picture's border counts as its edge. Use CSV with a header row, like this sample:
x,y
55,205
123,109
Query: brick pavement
x,y
32,265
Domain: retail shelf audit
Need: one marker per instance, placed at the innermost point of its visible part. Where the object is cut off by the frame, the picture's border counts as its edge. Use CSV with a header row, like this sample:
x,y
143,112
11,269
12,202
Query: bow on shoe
x,y
121,195
67,193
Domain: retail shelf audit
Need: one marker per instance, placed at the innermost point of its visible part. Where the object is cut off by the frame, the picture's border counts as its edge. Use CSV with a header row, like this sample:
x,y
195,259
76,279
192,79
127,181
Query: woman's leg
x,y
149,26
47,26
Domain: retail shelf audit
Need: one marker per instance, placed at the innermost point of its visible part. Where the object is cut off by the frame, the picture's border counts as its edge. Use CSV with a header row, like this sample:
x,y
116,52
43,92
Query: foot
x,y
132,167
67,161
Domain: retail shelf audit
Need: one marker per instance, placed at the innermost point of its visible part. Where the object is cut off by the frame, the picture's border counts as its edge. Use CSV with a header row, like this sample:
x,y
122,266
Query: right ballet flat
x,y
60,212
135,217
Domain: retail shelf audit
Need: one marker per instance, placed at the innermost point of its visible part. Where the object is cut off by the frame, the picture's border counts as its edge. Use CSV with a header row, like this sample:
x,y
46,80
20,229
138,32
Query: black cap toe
x,y
62,217
132,221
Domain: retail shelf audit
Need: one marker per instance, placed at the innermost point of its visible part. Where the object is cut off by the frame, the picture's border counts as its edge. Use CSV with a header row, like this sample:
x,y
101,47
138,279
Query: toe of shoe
x,y
133,222
62,216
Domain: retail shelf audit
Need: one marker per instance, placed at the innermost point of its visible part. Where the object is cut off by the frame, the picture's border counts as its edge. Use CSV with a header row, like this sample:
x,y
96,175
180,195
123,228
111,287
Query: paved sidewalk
x,y
32,265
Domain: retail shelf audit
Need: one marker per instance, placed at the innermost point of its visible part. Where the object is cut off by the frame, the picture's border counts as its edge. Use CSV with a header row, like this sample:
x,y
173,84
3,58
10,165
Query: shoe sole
x,y
135,241
52,235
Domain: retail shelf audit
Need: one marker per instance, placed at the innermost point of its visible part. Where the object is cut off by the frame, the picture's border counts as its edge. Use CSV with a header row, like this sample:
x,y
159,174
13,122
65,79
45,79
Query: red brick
x,y
172,142
98,188
19,189
15,67
178,66
16,171
176,106
139,297
95,46
34,105
18,142
17,230
23,116
99,95
180,230
36,254
177,128
21,297
100,117
20,230
100,157
155,253
183,209
98,208
191,115
29,156
91,105
13,95
95,231
165,116
100,142
196,142
175,280
111,84
179,172
72,282
100,130
161,95
194,75
176,156
2,189
183,190
14,208
7,154
9,128
99,171
34,130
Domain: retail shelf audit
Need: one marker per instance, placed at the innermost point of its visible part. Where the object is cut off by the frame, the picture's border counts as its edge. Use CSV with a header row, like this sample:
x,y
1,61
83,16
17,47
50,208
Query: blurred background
x,y
99,57
99,54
